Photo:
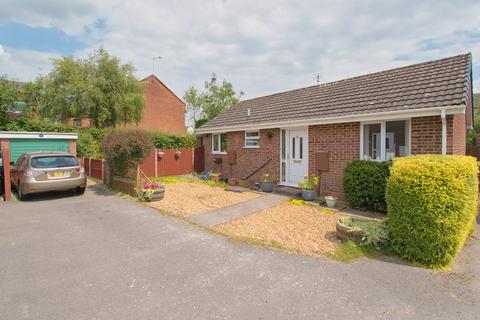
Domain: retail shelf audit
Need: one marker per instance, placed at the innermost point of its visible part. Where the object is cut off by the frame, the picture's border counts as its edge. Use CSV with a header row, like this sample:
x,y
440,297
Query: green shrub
x,y
364,184
375,232
432,206
166,141
124,146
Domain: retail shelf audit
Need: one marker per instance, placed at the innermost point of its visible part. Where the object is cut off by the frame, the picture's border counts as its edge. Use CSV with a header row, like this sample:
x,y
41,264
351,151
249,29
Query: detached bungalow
x,y
417,109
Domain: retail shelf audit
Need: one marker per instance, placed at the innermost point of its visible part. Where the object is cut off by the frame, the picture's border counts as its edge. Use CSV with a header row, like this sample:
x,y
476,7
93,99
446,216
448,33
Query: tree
x,y
98,87
34,97
8,97
193,103
211,102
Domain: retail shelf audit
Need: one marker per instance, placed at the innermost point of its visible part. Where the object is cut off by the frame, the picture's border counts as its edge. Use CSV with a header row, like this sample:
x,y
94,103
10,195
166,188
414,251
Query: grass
x,y
349,251
189,178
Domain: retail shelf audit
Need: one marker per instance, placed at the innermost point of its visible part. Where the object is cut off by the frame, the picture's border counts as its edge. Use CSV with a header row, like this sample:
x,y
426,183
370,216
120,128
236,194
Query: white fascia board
x,y
389,115
37,135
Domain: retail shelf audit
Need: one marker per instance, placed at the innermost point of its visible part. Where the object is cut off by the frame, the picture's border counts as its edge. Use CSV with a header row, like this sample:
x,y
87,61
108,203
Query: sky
x,y
262,47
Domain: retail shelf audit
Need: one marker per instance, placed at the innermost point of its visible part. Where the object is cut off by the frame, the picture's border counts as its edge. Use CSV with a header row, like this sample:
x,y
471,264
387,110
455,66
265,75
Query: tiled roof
x,y
438,83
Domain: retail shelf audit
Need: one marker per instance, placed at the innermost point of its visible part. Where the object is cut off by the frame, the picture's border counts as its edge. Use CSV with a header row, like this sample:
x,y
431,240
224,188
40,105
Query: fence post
x,y
103,171
155,161
90,166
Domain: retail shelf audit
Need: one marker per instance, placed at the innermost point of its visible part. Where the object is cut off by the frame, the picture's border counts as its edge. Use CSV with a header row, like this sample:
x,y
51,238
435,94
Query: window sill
x,y
218,152
251,147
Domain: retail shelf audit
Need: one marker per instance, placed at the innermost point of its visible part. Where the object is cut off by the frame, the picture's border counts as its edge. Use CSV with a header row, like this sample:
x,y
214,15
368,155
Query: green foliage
x,y
432,206
213,101
98,87
268,178
364,184
375,232
471,139
8,97
122,147
191,179
310,182
200,122
296,202
166,141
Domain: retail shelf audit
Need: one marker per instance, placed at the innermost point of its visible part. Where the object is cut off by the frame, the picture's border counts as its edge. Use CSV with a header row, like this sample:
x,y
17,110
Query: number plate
x,y
56,174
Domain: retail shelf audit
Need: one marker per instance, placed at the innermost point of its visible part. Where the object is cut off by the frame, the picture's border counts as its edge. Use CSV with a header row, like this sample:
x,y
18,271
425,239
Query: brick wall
x,y
247,159
163,110
341,141
459,138
426,135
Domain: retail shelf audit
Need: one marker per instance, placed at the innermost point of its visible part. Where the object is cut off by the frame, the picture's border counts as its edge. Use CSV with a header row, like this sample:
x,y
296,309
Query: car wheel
x,y
80,190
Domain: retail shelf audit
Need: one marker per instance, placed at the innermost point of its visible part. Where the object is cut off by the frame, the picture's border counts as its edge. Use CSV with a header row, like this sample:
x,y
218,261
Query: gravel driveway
x,y
101,257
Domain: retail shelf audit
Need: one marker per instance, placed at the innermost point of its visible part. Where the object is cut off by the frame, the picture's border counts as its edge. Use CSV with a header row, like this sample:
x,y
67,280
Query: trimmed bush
x,y
122,147
432,206
166,141
364,184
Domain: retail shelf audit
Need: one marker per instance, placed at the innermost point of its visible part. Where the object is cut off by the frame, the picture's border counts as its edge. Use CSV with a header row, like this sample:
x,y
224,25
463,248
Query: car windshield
x,y
53,162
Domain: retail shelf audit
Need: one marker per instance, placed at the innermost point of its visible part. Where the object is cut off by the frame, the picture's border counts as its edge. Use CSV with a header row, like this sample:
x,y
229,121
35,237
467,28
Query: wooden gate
x,y
199,159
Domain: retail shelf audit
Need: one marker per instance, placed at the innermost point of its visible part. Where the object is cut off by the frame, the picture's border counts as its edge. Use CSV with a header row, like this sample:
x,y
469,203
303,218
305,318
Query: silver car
x,y
36,172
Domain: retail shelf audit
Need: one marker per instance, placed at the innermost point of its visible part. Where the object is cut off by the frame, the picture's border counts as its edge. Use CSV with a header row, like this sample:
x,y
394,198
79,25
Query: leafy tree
x,y
98,87
214,100
193,103
34,97
8,97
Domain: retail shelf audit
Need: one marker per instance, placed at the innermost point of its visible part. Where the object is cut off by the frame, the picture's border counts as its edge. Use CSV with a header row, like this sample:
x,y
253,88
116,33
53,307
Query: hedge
x,y
166,141
364,184
432,207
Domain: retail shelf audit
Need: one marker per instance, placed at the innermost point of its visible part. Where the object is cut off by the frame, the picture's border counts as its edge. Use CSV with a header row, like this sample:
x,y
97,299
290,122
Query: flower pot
x,y
267,187
308,195
330,202
157,196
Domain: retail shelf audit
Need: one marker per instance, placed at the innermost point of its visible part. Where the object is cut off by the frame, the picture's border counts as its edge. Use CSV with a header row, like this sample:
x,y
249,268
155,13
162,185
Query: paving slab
x,y
221,215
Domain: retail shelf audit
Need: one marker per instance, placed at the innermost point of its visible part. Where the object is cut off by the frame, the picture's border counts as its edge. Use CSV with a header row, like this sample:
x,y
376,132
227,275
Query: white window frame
x,y
383,133
257,138
219,143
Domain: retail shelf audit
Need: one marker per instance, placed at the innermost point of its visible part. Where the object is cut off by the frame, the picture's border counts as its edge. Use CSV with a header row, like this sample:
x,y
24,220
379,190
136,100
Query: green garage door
x,y
21,146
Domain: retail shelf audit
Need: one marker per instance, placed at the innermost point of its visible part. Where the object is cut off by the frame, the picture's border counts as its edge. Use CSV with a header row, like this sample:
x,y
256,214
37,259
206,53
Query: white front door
x,y
294,155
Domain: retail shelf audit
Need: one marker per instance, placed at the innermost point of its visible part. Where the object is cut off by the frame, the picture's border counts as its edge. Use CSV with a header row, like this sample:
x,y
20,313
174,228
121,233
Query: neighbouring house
x,y
417,109
164,111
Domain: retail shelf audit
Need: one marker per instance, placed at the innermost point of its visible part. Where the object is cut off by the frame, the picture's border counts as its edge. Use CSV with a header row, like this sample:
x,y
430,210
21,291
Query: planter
x,y
331,201
308,195
267,187
348,233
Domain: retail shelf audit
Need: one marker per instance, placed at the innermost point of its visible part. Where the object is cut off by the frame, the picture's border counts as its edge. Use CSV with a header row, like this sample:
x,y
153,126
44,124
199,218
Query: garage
x,y
14,144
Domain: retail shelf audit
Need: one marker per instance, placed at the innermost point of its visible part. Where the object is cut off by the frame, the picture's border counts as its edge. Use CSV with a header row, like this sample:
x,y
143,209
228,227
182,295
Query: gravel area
x,y
302,229
187,198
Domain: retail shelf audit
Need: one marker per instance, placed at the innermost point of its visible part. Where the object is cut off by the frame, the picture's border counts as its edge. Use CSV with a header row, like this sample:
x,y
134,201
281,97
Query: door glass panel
x,y
283,144
284,171
300,145
293,148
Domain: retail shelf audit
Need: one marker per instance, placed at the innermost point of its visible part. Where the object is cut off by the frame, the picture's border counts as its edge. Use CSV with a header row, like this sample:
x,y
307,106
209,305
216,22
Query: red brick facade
x,y
341,141
164,111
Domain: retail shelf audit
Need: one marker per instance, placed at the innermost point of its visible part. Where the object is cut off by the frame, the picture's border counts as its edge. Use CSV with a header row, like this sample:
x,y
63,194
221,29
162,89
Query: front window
x,y
219,143
252,139
385,140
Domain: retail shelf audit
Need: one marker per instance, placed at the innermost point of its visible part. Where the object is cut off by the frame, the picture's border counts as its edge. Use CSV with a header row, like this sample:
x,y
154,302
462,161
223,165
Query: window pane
x,y
284,169
215,142
283,144
372,141
251,143
396,136
223,142
253,134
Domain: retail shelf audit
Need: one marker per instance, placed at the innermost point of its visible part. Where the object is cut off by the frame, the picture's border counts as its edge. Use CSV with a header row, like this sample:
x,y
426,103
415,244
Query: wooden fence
x,y
159,163
474,151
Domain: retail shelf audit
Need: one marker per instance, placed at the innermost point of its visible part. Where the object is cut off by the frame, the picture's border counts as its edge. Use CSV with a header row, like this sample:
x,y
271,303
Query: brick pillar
x,y
72,147
5,146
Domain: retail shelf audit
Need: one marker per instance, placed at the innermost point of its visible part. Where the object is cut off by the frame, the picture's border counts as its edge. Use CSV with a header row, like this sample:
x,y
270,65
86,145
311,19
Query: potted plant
x,y
308,185
267,182
331,200
153,191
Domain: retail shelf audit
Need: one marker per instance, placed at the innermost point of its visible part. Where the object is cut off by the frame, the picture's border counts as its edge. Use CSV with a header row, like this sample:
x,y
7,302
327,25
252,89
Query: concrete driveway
x,y
101,257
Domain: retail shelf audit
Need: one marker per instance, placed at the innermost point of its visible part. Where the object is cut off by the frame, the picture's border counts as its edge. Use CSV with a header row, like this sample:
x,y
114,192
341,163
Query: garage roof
x,y
38,135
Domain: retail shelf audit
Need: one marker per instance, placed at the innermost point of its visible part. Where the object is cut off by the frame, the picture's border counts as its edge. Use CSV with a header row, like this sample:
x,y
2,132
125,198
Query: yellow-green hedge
x,y
431,206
